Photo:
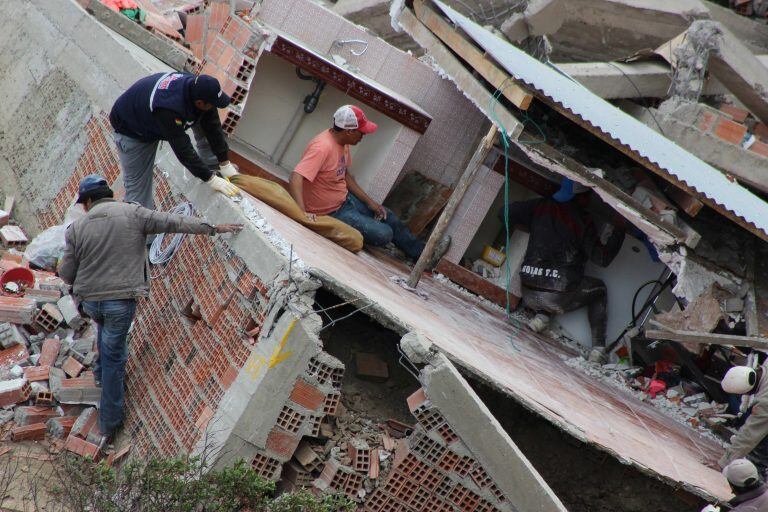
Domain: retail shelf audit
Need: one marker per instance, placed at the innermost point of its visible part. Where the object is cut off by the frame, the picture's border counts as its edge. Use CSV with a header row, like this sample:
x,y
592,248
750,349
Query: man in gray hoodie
x,y
751,440
105,261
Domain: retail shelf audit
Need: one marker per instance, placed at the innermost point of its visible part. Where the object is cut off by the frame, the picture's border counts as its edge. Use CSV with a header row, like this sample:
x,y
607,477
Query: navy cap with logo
x,y
89,185
208,89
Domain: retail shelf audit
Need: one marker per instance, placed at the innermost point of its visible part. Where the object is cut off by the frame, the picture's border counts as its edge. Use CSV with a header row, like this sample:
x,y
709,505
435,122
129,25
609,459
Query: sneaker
x,y
598,355
539,323
440,249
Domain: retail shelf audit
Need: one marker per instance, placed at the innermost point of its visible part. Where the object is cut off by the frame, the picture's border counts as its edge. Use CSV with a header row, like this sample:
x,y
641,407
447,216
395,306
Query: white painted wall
x,y
631,268
274,96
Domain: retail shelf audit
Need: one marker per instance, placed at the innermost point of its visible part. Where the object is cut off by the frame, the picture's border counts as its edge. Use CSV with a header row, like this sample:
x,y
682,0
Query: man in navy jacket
x,y
162,107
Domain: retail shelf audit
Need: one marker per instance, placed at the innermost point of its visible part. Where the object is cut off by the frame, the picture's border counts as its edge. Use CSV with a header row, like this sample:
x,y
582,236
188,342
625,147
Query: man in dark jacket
x,y
105,261
562,240
162,107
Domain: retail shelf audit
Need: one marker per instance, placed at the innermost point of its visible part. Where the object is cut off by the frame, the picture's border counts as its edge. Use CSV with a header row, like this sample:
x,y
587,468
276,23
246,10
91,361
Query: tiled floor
x,y
529,367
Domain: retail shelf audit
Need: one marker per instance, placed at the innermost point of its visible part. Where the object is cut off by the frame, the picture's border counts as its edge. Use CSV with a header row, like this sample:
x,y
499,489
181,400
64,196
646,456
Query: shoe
x,y
539,323
598,355
440,249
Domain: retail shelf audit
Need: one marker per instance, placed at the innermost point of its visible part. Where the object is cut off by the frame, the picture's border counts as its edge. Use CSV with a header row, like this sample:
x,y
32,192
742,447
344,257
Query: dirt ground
x,y
379,400
24,472
584,478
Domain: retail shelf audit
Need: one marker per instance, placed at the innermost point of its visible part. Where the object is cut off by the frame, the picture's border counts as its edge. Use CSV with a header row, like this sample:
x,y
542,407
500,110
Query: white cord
x,y
159,256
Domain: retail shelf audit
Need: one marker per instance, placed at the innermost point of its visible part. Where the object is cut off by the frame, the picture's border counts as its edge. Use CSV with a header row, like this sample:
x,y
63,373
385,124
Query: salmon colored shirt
x,y
324,164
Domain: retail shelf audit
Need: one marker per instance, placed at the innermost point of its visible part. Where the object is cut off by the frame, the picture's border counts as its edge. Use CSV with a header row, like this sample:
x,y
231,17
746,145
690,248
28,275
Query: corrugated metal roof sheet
x,y
630,132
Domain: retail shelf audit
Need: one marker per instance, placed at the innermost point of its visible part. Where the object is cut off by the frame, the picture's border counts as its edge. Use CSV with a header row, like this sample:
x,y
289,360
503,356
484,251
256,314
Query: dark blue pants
x,y
114,318
378,232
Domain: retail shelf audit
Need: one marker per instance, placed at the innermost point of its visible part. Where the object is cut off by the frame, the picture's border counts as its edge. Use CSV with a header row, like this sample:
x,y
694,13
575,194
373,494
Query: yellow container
x,y
493,256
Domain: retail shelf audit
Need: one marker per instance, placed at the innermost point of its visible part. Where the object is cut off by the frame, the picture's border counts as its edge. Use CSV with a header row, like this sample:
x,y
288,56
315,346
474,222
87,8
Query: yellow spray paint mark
x,y
278,356
256,362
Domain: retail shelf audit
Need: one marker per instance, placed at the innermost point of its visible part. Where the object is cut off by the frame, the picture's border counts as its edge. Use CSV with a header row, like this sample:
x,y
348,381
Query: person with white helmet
x,y
750,490
752,438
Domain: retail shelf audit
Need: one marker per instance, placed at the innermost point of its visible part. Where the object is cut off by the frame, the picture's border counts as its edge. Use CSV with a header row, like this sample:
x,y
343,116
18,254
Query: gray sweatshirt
x,y
105,257
754,429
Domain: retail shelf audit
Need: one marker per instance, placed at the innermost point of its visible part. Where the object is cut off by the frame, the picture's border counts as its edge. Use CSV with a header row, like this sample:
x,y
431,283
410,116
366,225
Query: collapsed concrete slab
x,y
449,407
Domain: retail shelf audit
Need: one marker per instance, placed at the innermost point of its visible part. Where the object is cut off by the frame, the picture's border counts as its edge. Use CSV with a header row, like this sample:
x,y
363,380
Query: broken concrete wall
x,y
712,136
459,451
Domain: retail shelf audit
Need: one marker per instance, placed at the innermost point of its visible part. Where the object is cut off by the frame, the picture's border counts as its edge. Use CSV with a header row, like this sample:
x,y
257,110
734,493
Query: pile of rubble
x,y
351,452
47,349
661,386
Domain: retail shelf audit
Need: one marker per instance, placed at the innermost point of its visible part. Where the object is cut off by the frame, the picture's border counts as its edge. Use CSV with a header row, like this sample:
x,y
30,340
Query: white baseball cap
x,y
741,473
350,117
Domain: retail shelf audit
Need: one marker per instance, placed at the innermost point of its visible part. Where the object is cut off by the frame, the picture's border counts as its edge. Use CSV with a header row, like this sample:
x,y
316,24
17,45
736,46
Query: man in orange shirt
x,y
322,185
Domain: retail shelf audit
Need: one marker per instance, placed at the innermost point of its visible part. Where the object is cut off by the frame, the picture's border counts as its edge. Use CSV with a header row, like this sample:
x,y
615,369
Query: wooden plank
x,y
476,284
619,200
460,75
706,338
497,77
617,144
688,203
458,194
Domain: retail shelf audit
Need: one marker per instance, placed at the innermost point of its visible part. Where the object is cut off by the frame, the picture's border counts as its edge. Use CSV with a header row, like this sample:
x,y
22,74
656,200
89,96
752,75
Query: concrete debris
x,y
671,403
46,354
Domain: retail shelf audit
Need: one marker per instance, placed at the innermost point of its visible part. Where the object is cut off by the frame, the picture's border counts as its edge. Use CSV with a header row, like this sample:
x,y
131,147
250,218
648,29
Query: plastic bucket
x,y
21,275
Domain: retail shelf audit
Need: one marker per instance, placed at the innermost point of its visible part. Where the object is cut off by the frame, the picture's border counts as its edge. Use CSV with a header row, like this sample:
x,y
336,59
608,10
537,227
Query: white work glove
x,y
710,508
223,186
228,170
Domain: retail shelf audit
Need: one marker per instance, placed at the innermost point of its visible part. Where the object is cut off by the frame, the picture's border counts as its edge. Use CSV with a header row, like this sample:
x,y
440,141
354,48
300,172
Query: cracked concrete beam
x,y
738,70
616,80
481,432
540,17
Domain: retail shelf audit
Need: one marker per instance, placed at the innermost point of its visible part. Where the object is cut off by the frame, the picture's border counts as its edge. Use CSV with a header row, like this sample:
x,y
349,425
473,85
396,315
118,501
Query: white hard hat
x,y
739,380
741,473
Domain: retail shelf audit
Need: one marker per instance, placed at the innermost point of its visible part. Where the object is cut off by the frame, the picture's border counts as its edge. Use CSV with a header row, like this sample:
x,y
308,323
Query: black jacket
x,y
562,239
161,107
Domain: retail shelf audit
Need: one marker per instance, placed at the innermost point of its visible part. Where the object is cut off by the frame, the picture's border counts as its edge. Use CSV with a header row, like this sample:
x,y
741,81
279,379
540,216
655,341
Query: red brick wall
x,y
99,157
179,368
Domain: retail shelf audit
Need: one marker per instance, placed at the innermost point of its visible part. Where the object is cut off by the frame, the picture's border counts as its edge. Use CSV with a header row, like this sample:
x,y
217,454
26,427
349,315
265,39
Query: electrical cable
x,y
639,94
159,255
645,305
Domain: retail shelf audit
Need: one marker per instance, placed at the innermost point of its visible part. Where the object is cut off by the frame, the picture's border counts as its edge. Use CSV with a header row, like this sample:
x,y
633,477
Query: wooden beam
x,y
458,194
497,77
688,203
651,166
708,338
459,74
644,218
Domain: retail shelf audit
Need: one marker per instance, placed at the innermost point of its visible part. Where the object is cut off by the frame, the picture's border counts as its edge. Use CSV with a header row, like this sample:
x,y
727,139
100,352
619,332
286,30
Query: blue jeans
x,y
113,318
378,232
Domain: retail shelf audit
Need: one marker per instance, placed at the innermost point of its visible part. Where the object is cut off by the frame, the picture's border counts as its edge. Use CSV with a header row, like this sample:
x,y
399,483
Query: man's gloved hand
x,y
710,508
223,186
228,170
